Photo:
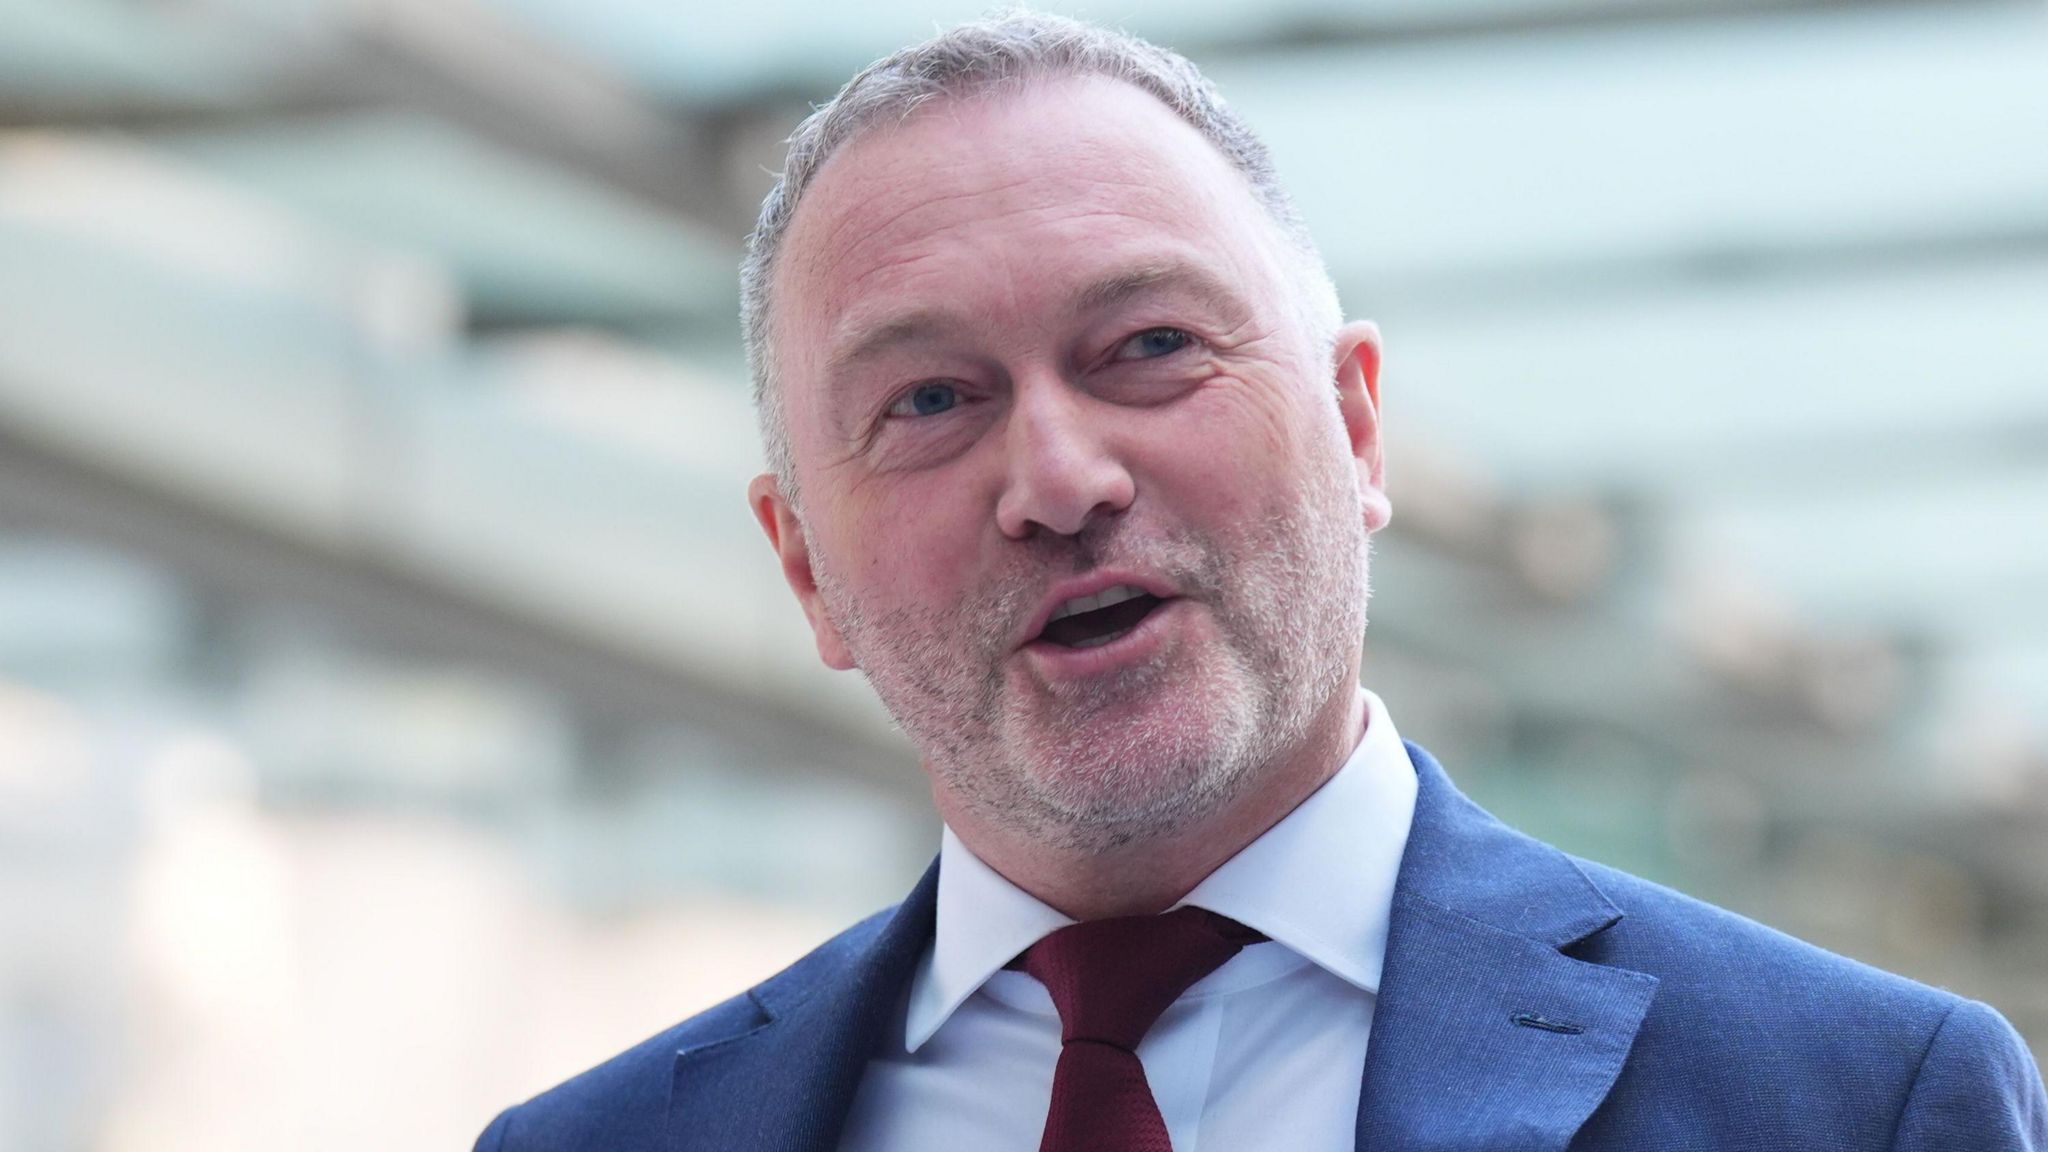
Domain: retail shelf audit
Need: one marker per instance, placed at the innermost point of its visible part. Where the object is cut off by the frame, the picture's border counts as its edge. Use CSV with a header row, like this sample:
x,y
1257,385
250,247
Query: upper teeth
x,y
1102,599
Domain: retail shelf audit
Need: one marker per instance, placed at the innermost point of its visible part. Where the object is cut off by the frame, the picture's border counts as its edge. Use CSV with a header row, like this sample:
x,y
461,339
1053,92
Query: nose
x,y
1061,471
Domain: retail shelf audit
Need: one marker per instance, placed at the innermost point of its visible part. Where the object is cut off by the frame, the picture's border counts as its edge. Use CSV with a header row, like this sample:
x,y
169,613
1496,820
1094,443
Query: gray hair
x,y
1004,50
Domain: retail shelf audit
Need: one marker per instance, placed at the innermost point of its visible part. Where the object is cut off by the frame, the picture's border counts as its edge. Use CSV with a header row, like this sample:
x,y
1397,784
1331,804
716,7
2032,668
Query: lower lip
x,y
1141,643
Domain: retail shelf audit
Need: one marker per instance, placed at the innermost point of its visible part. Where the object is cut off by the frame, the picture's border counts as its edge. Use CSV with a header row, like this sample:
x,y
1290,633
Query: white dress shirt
x,y
1265,1052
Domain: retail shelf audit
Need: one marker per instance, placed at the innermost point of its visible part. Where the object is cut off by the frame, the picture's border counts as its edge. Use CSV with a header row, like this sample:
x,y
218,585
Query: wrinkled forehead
x,y
1073,164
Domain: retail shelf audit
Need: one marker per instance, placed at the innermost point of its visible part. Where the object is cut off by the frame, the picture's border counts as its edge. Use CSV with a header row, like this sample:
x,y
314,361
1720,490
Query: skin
x,y
1040,333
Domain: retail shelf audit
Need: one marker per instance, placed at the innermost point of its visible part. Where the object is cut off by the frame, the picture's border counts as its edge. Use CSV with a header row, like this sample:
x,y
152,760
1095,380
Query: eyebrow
x,y
923,324
1123,287
1106,293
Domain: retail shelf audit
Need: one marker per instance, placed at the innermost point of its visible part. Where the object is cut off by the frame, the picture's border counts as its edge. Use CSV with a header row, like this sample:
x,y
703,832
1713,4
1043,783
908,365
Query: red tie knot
x,y
1111,979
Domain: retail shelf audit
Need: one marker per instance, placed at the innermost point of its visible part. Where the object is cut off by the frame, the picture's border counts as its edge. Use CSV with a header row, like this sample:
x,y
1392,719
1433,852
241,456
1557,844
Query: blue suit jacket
x,y
1530,1001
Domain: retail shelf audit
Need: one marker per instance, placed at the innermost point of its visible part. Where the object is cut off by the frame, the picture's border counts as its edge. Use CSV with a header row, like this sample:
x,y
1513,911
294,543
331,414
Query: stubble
x,y
1154,748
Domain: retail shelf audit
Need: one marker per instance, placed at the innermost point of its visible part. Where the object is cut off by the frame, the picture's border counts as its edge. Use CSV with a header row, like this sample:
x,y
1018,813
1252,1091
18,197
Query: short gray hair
x,y
1004,50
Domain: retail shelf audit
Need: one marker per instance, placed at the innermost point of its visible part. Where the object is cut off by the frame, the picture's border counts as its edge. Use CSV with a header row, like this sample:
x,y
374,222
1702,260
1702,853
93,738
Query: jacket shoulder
x,y
1978,1088
1756,1038
621,1105
1715,961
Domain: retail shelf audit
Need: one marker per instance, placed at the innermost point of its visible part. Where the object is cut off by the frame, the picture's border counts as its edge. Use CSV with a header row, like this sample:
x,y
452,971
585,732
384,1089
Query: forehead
x,y
1016,193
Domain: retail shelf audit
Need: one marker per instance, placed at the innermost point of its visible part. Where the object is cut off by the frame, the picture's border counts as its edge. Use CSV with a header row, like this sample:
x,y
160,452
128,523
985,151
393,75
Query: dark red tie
x,y
1110,980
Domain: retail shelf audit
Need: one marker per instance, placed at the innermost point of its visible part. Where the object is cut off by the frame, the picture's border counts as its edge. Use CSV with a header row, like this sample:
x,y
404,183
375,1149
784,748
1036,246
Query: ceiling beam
x,y
48,492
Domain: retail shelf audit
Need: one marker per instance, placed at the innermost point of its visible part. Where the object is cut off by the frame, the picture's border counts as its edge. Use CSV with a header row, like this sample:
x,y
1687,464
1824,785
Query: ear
x,y
1357,366
786,535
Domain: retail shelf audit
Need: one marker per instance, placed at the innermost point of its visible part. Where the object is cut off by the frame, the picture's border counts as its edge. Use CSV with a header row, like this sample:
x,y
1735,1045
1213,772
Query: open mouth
x,y
1092,621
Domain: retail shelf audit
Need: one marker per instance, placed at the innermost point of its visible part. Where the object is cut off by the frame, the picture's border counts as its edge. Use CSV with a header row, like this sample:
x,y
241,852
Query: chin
x,y
1102,786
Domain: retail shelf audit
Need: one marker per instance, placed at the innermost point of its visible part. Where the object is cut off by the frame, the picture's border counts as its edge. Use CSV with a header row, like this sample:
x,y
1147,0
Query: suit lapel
x,y
785,1081
1486,1035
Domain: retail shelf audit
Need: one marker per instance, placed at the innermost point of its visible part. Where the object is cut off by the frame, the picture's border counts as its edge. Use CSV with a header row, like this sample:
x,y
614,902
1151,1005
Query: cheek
x,y
908,539
1229,443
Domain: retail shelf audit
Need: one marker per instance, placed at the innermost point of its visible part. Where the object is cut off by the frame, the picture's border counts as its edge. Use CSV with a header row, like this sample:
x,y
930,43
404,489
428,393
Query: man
x,y
1075,460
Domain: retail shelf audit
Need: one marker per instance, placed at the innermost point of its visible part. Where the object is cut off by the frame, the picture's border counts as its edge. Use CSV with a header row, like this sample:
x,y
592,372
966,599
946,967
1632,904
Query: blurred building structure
x,y
399,710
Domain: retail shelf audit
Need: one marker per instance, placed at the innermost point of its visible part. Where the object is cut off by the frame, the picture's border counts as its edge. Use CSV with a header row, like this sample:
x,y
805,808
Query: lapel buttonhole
x,y
1532,1020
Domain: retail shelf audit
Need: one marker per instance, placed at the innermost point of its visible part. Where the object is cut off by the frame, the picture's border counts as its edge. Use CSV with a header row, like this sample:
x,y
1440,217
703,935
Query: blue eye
x,y
1153,343
926,400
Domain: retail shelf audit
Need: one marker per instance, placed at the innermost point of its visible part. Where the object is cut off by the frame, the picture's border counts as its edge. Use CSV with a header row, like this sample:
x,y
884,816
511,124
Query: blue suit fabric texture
x,y
1530,1001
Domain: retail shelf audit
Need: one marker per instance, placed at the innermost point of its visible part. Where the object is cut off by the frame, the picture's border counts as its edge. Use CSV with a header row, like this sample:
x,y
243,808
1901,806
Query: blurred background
x,y
399,710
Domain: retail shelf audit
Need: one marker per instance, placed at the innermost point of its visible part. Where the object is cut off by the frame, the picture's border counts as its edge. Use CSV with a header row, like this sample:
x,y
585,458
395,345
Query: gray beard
x,y
1291,614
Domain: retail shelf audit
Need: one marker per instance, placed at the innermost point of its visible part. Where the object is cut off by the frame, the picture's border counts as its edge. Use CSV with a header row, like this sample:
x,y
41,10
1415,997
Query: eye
x,y
927,399
1153,343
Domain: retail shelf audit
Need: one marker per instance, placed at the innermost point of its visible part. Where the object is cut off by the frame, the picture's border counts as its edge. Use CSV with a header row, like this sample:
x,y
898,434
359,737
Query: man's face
x,y
1041,346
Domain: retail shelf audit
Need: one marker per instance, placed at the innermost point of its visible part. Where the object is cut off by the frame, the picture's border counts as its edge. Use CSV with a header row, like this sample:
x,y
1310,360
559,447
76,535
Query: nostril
x,y
1024,518
1060,478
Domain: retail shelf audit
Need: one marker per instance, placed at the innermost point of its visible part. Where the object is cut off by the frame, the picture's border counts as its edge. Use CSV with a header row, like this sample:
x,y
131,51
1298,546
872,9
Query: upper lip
x,y
1088,585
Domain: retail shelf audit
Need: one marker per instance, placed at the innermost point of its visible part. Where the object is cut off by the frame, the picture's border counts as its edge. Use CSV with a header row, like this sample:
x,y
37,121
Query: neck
x,y
1146,877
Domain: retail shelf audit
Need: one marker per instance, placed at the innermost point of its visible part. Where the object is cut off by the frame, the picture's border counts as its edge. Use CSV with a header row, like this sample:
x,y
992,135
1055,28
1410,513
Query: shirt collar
x,y
1354,827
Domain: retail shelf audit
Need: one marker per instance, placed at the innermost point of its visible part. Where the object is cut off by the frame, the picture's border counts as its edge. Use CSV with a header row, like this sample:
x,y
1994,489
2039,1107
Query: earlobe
x,y
1357,368
785,531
